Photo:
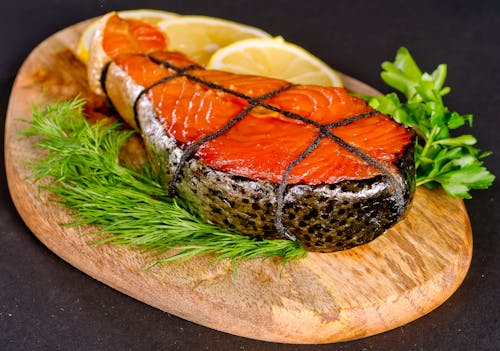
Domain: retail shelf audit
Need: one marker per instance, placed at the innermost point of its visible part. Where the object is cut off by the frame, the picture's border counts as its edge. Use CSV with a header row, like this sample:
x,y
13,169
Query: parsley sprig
x,y
442,159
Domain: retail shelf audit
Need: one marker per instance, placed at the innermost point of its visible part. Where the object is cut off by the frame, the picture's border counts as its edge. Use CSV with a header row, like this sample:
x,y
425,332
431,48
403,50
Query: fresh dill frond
x,y
128,207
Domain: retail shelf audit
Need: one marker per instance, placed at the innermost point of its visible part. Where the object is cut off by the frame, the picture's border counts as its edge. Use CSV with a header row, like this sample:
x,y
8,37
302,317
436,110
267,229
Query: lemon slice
x,y
274,58
153,17
199,37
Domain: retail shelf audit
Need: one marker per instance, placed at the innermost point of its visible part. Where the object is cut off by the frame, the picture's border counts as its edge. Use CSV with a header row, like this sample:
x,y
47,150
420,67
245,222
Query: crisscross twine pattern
x,y
324,131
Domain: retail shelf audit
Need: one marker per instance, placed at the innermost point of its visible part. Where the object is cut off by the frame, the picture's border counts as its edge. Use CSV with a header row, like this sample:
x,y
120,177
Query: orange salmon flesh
x,y
309,134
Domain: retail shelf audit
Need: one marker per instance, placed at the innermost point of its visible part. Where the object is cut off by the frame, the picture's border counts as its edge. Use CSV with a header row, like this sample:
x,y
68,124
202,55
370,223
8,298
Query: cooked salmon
x,y
258,155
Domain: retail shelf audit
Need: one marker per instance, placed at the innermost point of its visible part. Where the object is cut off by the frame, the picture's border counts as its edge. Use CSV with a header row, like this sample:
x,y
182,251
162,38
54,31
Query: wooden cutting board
x,y
323,298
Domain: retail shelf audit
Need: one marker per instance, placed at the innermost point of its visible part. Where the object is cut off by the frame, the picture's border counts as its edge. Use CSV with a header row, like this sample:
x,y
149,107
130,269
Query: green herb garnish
x,y
441,159
128,207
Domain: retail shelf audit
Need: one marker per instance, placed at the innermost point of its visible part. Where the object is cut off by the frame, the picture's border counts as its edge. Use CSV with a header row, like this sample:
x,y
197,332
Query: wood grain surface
x,y
323,298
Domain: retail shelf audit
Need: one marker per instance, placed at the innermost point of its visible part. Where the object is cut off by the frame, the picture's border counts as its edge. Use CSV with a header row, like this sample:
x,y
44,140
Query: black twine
x,y
324,131
161,81
280,196
191,149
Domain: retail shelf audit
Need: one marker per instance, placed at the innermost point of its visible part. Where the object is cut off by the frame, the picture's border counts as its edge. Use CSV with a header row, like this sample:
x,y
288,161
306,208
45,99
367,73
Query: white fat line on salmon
x,y
161,81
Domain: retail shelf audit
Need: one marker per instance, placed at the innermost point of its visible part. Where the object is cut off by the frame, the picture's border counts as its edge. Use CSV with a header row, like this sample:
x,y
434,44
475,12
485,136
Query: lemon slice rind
x,y
200,36
274,58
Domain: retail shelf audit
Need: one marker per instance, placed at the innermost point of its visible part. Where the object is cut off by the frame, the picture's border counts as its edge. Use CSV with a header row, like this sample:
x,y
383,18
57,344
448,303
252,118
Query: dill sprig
x,y
128,207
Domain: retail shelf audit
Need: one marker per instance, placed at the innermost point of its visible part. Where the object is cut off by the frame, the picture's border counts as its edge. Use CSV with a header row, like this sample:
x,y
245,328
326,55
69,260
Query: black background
x,y
46,304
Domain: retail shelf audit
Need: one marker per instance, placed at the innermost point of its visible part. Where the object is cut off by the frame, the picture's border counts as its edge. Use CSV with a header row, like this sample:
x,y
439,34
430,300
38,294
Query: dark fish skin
x,y
323,218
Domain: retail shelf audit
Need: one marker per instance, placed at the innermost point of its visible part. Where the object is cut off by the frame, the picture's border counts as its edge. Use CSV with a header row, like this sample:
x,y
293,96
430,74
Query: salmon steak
x,y
255,155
